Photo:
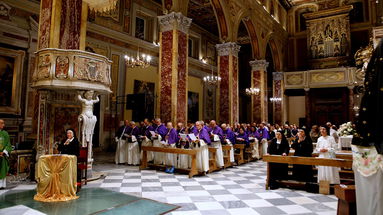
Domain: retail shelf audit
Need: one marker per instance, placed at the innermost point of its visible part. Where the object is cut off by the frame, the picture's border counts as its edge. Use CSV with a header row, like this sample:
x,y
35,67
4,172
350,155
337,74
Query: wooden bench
x,y
191,152
239,159
249,153
313,161
212,159
226,150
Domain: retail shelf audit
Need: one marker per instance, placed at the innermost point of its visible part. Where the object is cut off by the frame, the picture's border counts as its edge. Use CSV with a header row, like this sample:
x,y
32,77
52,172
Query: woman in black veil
x,y
369,124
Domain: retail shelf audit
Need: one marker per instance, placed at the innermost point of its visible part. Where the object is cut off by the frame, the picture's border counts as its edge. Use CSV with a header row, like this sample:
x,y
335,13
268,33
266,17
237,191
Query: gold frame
x,y
18,55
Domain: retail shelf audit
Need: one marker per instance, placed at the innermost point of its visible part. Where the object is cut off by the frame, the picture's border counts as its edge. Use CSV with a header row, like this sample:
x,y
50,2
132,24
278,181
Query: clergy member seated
x,y
202,142
304,148
216,136
171,138
133,146
158,138
122,147
183,143
278,171
229,137
242,137
71,146
5,151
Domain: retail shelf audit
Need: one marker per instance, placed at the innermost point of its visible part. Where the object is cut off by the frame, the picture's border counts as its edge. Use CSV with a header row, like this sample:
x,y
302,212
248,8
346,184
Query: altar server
x,y
158,140
171,138
203,140
5,151
133,147
122,146
326,147
216,135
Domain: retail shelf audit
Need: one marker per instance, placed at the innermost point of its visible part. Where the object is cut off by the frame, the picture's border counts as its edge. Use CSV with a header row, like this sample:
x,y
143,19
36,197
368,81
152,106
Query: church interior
x,y
191,107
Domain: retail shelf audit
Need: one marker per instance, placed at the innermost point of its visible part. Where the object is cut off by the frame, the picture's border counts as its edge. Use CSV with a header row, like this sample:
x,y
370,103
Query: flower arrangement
x,y
346,129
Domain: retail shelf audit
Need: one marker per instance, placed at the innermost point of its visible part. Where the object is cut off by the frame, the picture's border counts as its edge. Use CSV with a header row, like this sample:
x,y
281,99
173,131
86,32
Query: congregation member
x,y
286,131
242,137
252,134
326,147
122,146
158,139
216,136
171,138
146,138
278,171
304,148
203,140
133,146
5,151
314,133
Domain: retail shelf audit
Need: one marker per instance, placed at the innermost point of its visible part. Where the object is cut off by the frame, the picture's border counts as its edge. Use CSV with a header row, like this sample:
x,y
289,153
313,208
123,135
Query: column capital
x,y
258,65
277,76
229,48
174,20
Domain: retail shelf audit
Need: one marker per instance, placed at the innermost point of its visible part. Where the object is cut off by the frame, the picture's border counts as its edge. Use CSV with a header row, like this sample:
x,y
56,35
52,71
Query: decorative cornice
x,y
226,49
257,65
277,76
174,20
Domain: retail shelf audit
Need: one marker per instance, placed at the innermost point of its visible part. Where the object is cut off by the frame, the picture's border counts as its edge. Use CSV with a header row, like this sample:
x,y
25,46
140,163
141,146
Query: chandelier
x,y
275,99
211,79
252,91
142,61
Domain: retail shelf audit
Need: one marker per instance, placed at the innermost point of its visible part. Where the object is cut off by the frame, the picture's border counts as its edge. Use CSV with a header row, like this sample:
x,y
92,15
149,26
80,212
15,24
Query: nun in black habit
x,y
278,171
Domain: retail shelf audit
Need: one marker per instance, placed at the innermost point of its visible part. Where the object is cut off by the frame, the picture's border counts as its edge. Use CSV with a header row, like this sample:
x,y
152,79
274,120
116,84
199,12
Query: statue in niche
x,y
336,36
328,31
313,48
321,52
343,45
336,50
87,120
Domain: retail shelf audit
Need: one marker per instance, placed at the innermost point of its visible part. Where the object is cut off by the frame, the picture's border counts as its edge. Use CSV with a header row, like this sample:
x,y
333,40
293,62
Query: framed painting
x,y
63,117
11,66
193,106
144,97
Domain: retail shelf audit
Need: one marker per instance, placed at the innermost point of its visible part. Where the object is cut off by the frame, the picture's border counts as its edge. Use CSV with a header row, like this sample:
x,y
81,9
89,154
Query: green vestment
x,y
5,144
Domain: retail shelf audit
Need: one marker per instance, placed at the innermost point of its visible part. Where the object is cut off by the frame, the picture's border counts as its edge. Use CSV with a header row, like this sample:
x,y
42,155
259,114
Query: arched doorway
x,y
269,83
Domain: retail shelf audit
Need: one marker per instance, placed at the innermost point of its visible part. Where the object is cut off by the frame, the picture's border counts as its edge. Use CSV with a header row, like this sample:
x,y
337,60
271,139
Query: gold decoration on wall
x,y
101,5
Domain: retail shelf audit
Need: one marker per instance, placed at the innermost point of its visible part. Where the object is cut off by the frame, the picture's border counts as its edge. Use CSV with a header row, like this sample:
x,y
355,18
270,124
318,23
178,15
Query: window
x,y
191,48
140,28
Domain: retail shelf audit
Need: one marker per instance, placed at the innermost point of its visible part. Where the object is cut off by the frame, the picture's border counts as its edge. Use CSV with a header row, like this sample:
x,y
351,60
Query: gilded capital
x,y
226,49
173,21
277,76
257,65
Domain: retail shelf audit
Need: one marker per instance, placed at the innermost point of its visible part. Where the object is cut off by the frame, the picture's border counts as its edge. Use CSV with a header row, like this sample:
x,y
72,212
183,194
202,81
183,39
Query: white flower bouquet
x,y
346,129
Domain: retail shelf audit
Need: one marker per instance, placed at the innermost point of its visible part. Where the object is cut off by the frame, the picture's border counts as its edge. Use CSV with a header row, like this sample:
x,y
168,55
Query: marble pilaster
x,y
259,102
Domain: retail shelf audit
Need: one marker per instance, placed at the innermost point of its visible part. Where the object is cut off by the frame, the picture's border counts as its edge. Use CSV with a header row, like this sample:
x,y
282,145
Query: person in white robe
x,y
122,146
326,147
133,146
146,139
158,137
183,160
203,139
216,135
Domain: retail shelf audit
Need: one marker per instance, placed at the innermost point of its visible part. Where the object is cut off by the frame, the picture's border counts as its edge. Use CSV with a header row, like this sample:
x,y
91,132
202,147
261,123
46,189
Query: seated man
x,y
202,142
216,136
133,147
229,138
183,161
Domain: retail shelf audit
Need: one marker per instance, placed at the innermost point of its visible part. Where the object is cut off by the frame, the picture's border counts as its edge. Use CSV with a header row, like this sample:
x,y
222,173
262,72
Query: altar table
x,y
56,176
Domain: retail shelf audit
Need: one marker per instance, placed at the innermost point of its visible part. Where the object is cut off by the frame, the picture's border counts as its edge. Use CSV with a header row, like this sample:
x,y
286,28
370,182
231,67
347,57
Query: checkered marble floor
x,y
237,190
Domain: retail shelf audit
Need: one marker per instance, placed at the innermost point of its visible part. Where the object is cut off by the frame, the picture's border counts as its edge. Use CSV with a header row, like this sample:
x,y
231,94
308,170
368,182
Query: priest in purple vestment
x,y
171,139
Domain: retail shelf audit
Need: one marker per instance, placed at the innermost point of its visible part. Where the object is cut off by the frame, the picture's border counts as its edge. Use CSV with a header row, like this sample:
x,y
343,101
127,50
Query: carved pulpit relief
x,y
328,36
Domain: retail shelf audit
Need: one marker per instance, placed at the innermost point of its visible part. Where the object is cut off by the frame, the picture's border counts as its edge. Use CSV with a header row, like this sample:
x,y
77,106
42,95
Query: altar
x,y
56,177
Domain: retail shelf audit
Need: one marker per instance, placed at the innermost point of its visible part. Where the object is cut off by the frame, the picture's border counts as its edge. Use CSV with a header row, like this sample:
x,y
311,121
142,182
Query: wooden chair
x,y
82,166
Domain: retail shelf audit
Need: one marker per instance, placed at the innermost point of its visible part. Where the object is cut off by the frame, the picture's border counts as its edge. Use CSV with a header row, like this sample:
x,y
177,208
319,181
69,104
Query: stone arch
x,y
222,20
275,51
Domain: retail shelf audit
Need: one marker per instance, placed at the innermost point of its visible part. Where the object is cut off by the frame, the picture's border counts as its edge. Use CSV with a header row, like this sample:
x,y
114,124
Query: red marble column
x,y
62,24
228,105
258,102
173,67
278,93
